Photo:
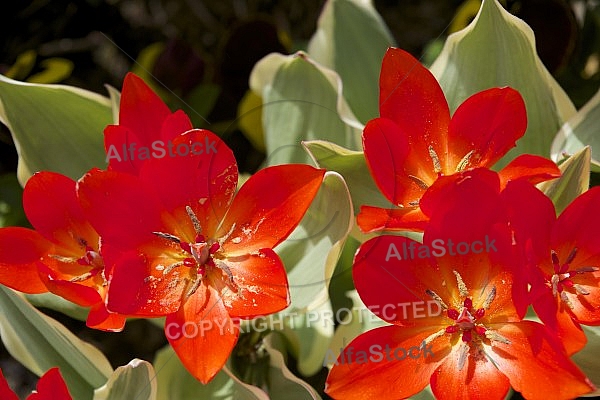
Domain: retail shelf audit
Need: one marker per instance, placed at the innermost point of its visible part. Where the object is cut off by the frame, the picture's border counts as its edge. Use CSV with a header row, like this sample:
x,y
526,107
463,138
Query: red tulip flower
x,y
449,301
563,259
415,141
51,386
62,254
186,246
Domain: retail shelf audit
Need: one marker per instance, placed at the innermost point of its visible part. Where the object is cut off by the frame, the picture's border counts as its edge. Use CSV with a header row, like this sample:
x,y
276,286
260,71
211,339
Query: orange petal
x,y
268,207
51,204
262,285
373,219
478,379
533,169
535,363
100,318
138,287
386,362
488,123
202,334
20,250
411,97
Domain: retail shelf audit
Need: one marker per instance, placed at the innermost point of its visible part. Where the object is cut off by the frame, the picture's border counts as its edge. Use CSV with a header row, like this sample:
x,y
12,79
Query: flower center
x,y
466,322
91,258
199,255
562,277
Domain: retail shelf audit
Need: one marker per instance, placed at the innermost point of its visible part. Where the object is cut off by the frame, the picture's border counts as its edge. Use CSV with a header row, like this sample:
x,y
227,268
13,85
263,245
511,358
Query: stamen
x,y
63,259
462,288
490,298
566,300
453,314
555,260
465,161
434,336
168,236
462,358
194,219
555,280
172,267
437,298
419,182
195,286
495,336
583,270
571,256
437,166
226,269
81,278
580,289
413,203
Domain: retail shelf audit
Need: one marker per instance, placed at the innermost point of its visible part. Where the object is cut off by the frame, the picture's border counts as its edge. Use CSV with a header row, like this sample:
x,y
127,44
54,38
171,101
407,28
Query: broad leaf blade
x,y
135,380
575,180
351,39
40,343
301,101
510,60
55,127
579,131
353,167
175,382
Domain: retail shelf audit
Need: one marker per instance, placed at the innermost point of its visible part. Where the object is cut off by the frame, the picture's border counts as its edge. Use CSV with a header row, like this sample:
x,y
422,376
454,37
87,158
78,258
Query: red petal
x,y
478,379
138,288
488,122
123,209
118,140
141,110
84,296
396,289
268,207
6,392
533,169
387,357
206,182
400,171
373,219
262,283
533,364
51,204
202,334
556,316
174,125
411,97
20,250
100,318
51,386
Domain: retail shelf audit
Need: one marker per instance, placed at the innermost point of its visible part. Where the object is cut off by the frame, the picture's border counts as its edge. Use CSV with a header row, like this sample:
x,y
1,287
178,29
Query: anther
x,y
462,165
194,219
462,288
437,166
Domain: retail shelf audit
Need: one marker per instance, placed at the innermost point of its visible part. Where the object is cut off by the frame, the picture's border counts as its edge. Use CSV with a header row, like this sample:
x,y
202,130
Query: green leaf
x,y
11,203
353,167
311,252
301,101
115,100
135,380
55,127
351,39
40,343
587,359
57,303
579,131
175,382
575,180
498,49
282,383
309,335
56,69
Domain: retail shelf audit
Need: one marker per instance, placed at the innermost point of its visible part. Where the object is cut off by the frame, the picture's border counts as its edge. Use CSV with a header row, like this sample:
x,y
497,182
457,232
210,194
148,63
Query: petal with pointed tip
x,y
20,250
373,219
202,334
268,207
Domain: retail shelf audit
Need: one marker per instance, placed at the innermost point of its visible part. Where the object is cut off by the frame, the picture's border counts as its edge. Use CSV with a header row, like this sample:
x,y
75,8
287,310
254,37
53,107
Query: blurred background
x,y
198,56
